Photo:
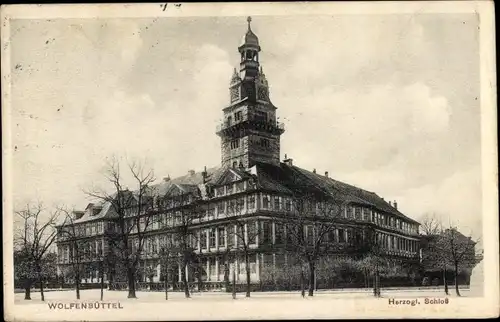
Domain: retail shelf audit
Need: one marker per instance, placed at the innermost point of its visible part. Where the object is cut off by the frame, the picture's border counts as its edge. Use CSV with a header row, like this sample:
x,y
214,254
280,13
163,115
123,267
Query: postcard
x,y
215,161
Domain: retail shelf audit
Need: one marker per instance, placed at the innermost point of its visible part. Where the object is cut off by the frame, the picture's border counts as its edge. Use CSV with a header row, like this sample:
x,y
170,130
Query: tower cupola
x,y
249,132
250,39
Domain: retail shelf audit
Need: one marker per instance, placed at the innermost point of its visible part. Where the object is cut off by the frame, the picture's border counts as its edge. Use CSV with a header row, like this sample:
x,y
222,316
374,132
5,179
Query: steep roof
x,y
288,178
284,178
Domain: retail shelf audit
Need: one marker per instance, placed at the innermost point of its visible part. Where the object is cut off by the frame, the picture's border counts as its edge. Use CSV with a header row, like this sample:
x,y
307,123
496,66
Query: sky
x,y
389,103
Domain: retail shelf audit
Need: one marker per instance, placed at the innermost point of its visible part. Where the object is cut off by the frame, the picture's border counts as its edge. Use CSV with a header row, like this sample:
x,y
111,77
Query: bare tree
x,y
245,230
33,240
68,233
310,224
430,225
458,250
374,261
131,215
165,255
182,209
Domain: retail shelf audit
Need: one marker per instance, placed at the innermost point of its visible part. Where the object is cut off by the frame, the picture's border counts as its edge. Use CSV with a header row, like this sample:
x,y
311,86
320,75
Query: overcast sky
x,y
389,103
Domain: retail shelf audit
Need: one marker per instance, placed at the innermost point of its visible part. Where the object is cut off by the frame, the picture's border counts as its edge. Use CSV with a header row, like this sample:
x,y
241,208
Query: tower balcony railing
x,y
279,126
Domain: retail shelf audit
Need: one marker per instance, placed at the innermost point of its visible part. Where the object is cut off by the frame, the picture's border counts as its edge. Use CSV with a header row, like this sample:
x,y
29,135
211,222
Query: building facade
x,y
246,202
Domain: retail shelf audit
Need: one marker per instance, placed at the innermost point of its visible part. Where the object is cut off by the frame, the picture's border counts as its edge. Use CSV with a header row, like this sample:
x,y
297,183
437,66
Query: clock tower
x,y
249,132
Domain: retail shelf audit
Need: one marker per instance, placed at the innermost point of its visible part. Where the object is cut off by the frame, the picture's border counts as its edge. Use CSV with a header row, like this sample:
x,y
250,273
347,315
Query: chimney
x,y
204,174
314,170
166,179
288,161
395,204
390,203
191,172
326,174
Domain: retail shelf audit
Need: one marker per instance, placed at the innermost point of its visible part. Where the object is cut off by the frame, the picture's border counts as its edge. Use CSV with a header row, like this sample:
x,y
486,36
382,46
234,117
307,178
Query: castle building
x,y
251,187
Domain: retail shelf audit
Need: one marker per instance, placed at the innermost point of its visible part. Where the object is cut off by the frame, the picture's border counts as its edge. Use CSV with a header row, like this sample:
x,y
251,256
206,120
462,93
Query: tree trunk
x,y
165,280
234,283
184,279
131,283
77,285
226,276
247,268
374,284
40,280
102,280
456,280
27,292
312,275
302,282
445,281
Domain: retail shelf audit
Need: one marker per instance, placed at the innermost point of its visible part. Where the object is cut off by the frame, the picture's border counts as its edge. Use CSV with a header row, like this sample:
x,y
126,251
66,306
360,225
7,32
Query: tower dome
x,y
249,39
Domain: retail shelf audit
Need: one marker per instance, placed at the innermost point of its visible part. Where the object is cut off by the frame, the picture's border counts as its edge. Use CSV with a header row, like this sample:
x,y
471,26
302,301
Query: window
x,y
251,232
253,264
288,204
235,144
289,235
212,237
264,143
265,202
230,236
240,186
203,239
366,214
309,230
230,207
240,204
251,201
220,208
350,212
341,236
266,232
331,235
229,189
222,237
210,213
238,116
211,263
278,233
357,212
219,191
277,203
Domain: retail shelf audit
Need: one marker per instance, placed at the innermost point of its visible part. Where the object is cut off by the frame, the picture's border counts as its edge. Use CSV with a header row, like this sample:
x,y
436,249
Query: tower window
x,y
264,143
238,116
235,144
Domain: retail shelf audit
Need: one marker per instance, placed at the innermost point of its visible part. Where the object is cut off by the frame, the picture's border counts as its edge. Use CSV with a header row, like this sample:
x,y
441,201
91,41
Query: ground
x,y
142,296
268,305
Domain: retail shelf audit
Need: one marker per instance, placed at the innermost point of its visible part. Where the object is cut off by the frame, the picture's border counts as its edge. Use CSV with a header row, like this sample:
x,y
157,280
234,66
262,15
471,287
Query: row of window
x,y
80,230
392,242
85,250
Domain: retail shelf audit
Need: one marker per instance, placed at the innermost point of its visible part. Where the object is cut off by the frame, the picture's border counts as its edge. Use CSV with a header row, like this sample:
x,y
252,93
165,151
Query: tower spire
x,y
249,20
